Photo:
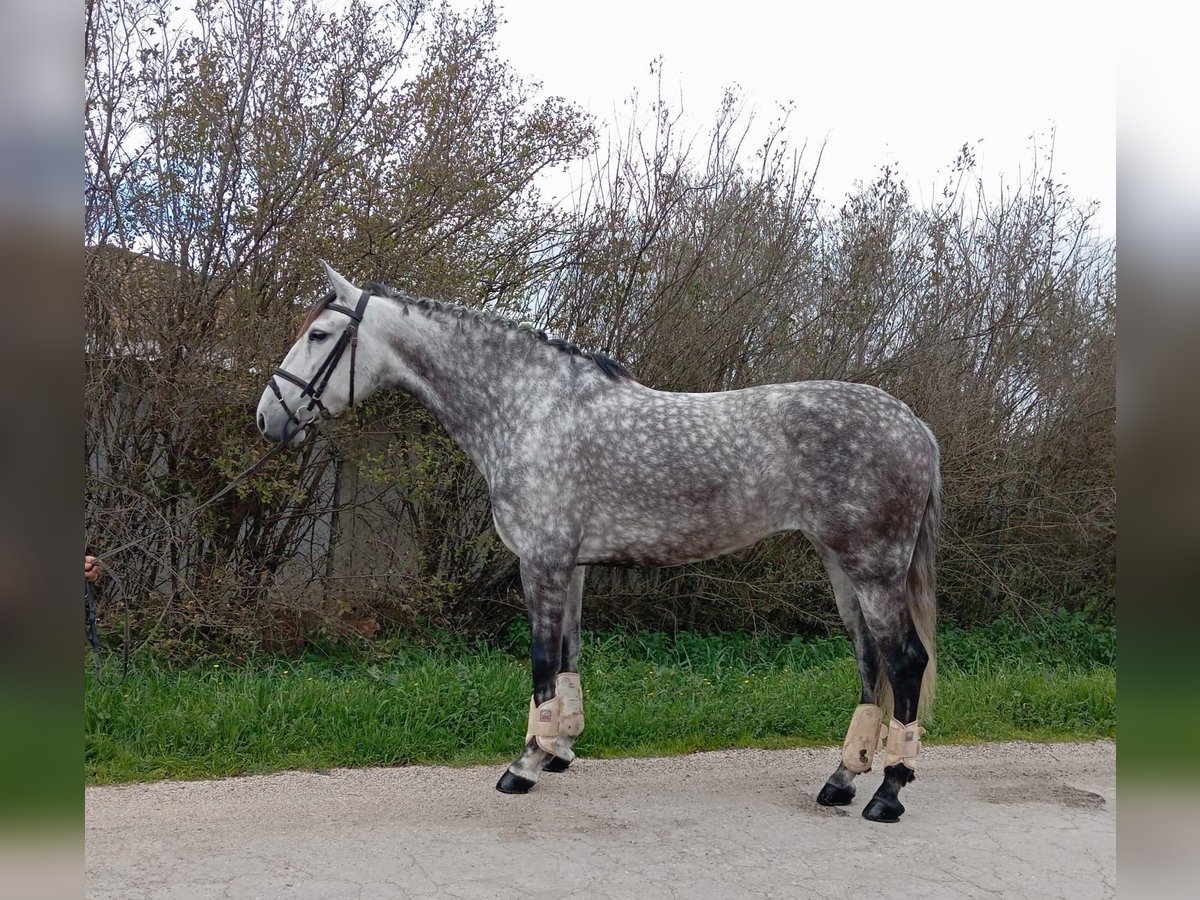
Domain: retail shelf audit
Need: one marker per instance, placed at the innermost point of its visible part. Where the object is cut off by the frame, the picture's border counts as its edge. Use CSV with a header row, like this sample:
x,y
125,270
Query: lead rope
x,y
89,606
310,389
90,600
90,603
278,448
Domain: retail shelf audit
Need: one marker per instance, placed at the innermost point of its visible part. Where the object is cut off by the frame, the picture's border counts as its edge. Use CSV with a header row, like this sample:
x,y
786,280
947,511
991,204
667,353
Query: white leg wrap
x,y
570,711
543,724
904,743
864,737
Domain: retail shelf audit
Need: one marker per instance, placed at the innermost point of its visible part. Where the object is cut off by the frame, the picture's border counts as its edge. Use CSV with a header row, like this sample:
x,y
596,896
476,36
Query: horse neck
x,y
468,377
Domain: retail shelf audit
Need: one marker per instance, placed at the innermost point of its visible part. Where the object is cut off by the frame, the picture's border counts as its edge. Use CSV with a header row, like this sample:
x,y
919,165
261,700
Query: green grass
x,y
456,702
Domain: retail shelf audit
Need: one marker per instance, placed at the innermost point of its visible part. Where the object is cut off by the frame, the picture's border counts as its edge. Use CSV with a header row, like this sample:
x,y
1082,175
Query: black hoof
x,y
513,784
836,794
881,809
556,764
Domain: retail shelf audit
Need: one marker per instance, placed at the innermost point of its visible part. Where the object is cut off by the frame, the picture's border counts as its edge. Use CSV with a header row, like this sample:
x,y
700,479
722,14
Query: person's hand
x,y
91,568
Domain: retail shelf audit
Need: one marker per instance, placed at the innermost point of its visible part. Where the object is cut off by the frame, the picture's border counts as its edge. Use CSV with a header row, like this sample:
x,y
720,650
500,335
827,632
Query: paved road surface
x,y
1000,820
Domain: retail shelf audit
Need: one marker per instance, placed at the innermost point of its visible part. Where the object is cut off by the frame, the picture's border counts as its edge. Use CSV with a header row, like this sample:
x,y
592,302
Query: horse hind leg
x,y
905,660
839,790
567,687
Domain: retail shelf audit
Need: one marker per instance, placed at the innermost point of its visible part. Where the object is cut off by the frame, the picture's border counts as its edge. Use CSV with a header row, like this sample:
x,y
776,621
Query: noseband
x,y
315,387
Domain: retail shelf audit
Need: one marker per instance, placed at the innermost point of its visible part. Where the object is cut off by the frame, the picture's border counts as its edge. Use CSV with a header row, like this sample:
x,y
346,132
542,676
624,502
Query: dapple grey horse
x,y
586,466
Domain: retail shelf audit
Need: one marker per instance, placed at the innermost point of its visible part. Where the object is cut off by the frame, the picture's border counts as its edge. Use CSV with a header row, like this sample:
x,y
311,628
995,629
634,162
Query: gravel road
x,y
998,820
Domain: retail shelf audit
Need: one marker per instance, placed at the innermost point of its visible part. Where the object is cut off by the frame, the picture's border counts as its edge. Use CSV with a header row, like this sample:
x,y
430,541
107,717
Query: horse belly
x,y
655,541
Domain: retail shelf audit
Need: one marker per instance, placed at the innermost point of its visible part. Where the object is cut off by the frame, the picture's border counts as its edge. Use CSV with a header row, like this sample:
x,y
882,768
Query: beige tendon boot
x,y
863,738
904,743
570,710
543,724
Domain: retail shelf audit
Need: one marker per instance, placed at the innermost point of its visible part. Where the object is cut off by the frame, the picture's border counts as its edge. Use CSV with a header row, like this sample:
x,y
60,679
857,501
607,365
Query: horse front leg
x,y
545,586
567,686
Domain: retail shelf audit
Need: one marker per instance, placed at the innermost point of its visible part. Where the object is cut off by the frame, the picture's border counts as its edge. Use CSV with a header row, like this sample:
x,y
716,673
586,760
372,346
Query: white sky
x,y
882,82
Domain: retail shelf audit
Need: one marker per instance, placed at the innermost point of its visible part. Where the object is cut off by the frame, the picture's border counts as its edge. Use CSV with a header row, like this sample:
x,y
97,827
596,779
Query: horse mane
x,y
605,363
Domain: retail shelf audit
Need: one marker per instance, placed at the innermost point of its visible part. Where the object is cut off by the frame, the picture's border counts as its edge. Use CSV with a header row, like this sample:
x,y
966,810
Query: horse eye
x,y
317,336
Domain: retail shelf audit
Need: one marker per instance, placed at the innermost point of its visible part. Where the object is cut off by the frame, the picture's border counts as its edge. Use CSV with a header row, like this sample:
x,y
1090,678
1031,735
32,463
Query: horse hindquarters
x,y
890,613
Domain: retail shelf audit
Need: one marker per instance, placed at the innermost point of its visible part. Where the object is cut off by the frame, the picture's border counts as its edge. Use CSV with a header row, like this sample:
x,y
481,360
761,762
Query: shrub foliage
x,y
228,151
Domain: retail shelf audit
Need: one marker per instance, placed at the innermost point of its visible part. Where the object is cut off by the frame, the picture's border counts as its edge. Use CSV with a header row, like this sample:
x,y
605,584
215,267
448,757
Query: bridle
x,y
315,387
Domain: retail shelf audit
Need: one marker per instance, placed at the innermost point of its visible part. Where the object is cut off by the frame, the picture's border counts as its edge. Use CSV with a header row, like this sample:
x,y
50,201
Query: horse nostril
x,y
262,423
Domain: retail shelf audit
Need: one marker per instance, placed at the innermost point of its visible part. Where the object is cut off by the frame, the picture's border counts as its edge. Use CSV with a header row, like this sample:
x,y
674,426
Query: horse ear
x,y
346,292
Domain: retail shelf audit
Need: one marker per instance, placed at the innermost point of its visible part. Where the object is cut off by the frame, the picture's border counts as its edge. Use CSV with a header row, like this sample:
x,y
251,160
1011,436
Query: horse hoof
x,y
556,764
513,784
836,795
883,810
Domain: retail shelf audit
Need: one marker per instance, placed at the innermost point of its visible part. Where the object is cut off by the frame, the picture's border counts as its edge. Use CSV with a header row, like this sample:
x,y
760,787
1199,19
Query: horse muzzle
x,y
279,426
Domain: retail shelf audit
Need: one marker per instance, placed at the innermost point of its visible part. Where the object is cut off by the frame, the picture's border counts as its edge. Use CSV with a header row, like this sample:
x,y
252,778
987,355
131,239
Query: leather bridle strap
x,y
315,386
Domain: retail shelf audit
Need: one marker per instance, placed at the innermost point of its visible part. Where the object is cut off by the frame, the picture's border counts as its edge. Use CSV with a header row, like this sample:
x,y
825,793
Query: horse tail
x,y
922,580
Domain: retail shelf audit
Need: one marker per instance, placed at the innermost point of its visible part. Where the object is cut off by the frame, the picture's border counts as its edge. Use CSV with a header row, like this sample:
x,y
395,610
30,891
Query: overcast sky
x,y
905,83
